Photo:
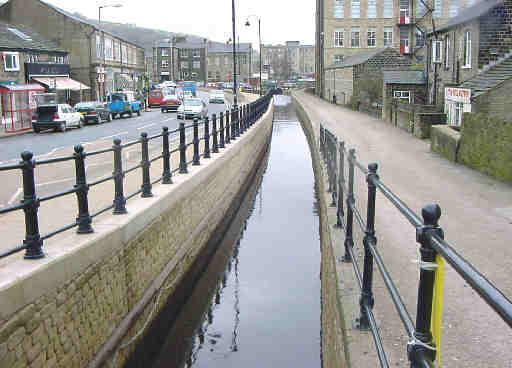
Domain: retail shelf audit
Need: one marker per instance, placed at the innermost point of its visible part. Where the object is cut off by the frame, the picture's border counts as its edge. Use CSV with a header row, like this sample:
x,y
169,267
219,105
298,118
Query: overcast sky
x,y
281,20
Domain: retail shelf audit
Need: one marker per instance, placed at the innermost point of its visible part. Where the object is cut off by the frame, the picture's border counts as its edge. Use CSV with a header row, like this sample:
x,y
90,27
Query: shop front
x,y
456,102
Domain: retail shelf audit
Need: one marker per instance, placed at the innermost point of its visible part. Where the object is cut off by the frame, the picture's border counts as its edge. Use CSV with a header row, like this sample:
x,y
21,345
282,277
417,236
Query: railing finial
x,y
431,214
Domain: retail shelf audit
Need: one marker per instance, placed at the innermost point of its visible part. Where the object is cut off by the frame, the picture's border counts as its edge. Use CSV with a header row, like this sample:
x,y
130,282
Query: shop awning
x,y
61,83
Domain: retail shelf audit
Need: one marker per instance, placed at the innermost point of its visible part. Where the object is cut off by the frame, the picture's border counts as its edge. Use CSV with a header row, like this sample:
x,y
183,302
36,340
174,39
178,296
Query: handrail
x,y
236,121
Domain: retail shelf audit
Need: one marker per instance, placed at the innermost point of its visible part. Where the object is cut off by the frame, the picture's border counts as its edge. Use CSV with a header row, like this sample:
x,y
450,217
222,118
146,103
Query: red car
x,y
155,98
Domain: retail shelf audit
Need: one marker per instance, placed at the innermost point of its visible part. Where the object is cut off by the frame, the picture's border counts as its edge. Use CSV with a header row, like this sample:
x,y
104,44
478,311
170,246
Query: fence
x,y
342,166
228,127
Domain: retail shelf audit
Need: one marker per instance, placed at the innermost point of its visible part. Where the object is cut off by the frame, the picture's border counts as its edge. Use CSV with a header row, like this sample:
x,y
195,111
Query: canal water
x,y
257,301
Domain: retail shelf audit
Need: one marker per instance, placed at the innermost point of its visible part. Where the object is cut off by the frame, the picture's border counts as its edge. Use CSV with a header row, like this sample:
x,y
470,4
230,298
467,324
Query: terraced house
x,y
99,59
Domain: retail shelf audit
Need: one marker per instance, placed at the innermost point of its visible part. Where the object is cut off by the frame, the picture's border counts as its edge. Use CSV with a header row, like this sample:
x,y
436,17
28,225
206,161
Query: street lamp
x,y
247,24
102,60
235,89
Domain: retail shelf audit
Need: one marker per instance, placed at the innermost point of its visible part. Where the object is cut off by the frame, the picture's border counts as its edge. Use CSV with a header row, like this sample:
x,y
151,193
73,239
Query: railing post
x,y
215,144
228,126
183,150
334,168
419,352
119,199
33,241
367,300
237,129
349,239
328,156
242,119
84,218
146,175
166,153
206,137
340,213
196,159
233,124
221,130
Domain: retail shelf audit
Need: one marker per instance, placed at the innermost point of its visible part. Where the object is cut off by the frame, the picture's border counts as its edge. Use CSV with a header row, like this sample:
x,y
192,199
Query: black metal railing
x,y
33,242
341,166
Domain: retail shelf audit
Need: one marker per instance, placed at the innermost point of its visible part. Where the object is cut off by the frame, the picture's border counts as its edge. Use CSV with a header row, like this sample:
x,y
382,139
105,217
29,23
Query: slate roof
x,y
34,41
213,47
470,13
404,76
359,58
86,21
490,79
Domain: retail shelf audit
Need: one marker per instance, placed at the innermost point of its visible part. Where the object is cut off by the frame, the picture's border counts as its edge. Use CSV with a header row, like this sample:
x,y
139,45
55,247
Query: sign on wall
x,y
457,95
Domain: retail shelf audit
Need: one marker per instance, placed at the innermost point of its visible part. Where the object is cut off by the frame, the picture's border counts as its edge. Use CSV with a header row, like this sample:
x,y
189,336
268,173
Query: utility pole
x,y
235,90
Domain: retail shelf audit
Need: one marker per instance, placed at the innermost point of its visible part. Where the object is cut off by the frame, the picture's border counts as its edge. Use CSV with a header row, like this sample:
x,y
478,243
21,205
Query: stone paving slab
x,y
475,220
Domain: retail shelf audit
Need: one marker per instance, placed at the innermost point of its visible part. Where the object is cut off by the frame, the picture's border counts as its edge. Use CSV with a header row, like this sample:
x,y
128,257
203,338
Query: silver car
x,y
192,108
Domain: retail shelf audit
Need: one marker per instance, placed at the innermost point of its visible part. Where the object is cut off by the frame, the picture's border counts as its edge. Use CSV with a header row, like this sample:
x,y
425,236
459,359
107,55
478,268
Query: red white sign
x,y
457,95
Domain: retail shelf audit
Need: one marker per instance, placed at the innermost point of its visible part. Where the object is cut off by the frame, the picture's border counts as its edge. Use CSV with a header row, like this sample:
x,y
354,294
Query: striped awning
x,y
61,83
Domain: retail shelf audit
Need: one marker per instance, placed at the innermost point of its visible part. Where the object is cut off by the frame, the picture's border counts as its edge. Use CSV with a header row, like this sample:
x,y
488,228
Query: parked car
x,y
216,96
94,112
188,94
192,108
170,103
123,103
155,98
56,117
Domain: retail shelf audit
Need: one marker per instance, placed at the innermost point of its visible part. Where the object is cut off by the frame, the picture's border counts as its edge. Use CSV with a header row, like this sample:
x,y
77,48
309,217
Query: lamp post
x,y
235,90
247,24
102,60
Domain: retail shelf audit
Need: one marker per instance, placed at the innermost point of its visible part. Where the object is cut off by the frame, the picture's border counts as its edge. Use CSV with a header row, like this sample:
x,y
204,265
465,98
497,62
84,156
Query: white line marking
x,y
13,198
54,182
114,135
169,119
50,153
146,126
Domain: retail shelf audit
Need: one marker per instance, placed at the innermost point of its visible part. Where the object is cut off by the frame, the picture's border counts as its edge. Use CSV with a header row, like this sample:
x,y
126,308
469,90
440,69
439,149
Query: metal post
x,y
146,176
228,130
206,137
334,167
196,159
366,302
84,219
341,183
237,121
183,150
241,127
32,242
233,124
221,130
166,153
235,89
349,240
259,37
119,199
215,144
417,352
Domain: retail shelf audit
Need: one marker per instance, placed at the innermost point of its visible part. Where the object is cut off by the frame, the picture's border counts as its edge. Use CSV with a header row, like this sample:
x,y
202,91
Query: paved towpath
x,y
477,220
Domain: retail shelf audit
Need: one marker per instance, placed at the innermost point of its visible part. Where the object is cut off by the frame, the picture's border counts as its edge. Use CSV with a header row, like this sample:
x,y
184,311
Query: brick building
x,y
344,27
90,46
469,61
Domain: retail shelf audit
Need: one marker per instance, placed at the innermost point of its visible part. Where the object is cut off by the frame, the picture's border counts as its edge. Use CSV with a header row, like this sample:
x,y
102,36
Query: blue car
x,y
123,103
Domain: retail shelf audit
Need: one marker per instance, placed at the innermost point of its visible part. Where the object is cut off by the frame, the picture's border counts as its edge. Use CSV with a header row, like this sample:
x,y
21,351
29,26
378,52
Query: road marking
x,y
13,198
146,126
50,153
114,135
168,119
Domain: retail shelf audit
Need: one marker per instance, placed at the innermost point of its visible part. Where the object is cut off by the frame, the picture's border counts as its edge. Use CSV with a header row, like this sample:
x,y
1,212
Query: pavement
x,y
477,221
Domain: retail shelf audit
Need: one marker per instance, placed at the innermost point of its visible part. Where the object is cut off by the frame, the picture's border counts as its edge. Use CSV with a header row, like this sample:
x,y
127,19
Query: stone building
x,y
289,60
344,28
220,62
99,59
469,62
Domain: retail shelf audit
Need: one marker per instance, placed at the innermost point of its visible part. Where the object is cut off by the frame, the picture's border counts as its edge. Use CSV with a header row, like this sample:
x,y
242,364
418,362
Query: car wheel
x,y
138,112
36,130
109,117
130,114
80,124
62,127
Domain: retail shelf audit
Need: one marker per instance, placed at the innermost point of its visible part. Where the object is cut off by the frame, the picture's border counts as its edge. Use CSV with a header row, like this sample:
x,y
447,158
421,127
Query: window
x,y
109,49
124,54
196,53
372,36
372,9
437,51
446,52
59,59
184,65
165,52
388,36
165,63
184,53
226,60
388,9
356,9
217,61
117,51
11,61
354,39
403,95
467,50
32,58
438,7
196,64
339,37
420,39
339,8
421,9
99,49
454,8
338,59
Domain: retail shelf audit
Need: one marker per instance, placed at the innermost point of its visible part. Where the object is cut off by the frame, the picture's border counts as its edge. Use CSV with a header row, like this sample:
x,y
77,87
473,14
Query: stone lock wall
x,y
78,309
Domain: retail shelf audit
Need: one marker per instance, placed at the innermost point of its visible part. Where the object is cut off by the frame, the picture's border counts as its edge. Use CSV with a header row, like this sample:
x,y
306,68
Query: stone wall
x,y
445,141
495,102
75,310
486,145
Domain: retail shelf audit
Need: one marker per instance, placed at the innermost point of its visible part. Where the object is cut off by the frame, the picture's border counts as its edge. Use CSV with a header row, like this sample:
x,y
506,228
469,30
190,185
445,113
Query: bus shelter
x,y
18,105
